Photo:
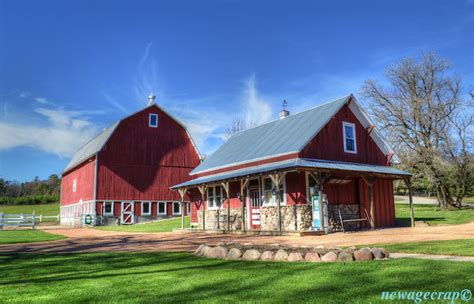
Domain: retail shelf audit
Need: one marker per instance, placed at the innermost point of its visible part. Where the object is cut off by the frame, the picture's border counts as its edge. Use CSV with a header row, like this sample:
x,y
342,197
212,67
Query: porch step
x,y
255,232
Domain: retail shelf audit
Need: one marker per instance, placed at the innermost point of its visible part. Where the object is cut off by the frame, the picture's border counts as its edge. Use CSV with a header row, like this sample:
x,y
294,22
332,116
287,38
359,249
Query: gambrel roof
x,y
283,136
96,144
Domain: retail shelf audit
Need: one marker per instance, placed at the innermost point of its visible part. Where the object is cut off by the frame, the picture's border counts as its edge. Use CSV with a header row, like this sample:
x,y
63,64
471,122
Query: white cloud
x,y
25,94
257,110
62,135
42,100
115,103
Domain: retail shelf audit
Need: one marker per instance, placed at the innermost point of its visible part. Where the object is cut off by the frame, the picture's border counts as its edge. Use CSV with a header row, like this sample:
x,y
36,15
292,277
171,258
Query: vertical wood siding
x,y
84,175
383,202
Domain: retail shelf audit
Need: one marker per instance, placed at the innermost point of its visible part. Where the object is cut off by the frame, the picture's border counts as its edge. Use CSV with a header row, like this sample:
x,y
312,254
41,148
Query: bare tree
x,y
423,109
235,126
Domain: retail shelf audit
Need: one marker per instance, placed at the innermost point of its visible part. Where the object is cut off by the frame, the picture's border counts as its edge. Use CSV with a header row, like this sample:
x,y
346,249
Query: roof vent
x,y
284,113
151,99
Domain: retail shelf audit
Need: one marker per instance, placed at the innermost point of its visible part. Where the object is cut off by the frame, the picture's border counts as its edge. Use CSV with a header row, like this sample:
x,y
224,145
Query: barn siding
x,y
84,175
328,144
383,202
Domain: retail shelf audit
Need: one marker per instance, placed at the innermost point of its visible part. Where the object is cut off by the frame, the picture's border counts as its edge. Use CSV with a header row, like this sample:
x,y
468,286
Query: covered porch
x,y
299,195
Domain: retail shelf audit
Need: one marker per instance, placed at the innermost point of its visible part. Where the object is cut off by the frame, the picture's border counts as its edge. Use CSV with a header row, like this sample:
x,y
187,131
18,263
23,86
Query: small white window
x,y
146,208
108,208
214,197
74,185
176,208
153,120
349,134
161,208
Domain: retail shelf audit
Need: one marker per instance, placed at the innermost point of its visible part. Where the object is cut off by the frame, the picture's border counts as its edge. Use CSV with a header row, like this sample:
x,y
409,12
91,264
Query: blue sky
x,y
70,68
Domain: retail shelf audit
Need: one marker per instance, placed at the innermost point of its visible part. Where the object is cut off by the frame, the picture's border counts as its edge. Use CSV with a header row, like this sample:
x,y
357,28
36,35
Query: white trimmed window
x,y
108,208
349,134
161,208
74,185
268,197
214,197
153,120
146,208
188,208
176,208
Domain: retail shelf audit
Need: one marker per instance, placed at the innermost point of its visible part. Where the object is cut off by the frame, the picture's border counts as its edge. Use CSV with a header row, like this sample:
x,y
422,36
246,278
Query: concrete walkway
x,y
437,257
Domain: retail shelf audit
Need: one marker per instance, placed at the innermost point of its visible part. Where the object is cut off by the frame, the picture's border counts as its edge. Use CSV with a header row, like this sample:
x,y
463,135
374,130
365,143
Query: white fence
x,y
23,220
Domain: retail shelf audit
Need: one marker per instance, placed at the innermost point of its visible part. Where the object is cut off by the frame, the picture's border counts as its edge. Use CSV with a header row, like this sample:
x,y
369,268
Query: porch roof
x,y
300,163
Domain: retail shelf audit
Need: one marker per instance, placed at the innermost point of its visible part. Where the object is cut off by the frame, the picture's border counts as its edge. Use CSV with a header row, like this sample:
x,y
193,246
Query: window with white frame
x,y
176,208
161,208
188,207
214,197
349,134
153,120
146,208
74,185
268,197
108,208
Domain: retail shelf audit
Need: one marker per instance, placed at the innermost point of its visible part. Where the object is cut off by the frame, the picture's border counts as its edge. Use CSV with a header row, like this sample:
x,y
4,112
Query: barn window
x,y
349,136
146,208
161,208
214,197
268,197
153,120
108,208
176,208
74,185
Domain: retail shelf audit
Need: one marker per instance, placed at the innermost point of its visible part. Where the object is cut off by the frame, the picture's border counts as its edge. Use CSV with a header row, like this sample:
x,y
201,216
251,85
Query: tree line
x,y
30,193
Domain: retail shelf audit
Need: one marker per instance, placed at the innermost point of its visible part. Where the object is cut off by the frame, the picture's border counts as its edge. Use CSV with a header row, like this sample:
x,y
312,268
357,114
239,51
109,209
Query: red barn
x,y
326,169
124,174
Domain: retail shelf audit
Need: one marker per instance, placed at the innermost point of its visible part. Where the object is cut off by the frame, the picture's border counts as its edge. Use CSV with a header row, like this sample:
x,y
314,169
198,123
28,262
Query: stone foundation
x,y
217,219
348,211
293,218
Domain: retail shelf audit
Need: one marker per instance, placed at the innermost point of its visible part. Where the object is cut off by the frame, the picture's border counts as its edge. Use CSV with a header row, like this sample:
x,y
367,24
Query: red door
x,y
127,217
255,204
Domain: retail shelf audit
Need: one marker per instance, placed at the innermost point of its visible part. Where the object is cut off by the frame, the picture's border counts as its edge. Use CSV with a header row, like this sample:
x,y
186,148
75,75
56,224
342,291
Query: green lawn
x,y
159,226
432,215
27,236
180,277
452,247
46,209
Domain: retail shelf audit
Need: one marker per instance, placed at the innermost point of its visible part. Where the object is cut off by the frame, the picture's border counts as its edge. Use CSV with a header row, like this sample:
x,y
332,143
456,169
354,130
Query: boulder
x,y
321,251
218,252
378,254
385,253
363,254
251,255
220,244
281,256
312,257
295,257
331,256
206,250
234,254
345,257
199,250
247,244
267,255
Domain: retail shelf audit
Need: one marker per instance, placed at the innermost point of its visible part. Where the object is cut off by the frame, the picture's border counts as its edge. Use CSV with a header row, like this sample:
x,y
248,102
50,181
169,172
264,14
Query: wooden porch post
x,y
407,181
203,189
243,186
370,183
182,193
225,185
276,179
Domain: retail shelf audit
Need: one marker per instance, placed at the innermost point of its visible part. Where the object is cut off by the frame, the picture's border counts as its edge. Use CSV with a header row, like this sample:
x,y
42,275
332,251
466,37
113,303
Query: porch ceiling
x,y
303,165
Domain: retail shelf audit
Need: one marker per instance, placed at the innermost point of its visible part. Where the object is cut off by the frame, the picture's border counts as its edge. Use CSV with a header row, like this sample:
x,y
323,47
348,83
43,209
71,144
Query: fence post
x,y
34,220
1,220
41,218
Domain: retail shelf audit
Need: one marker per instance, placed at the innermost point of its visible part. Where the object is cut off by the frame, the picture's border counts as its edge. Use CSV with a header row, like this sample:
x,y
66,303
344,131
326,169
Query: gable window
x,y
108,208
153,120
146,208
176,208
268,197
161,208
349,134
214,197
74,185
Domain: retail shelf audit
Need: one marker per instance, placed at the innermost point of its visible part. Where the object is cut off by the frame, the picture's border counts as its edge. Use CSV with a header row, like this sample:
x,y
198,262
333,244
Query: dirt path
x,y
93,240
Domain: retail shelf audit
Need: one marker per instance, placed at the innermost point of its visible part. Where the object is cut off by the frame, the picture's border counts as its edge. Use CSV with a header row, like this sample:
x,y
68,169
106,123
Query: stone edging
x,y
278,253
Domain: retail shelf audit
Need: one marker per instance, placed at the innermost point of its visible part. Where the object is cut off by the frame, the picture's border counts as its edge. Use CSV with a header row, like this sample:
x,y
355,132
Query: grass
x,y
27,236
46,209
159,226
432,215
452,247
181,277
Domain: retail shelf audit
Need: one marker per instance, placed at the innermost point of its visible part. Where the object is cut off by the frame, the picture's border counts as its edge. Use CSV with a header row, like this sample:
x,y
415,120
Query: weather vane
x,y
284,104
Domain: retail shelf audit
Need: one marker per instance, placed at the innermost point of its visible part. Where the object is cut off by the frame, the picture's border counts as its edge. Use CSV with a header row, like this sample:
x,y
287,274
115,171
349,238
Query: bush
x,y
29,200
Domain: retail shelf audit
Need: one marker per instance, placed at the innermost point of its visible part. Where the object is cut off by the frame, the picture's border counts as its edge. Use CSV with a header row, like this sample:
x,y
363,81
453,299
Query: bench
x,y
358,220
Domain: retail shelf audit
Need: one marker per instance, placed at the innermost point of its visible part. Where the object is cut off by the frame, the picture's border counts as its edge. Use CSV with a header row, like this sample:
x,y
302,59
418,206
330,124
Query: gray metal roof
x,y
297,163
91,147
278,137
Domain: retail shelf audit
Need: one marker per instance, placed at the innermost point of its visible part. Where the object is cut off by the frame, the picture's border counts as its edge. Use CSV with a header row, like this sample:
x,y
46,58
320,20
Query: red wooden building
x,y
124,174
326,168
